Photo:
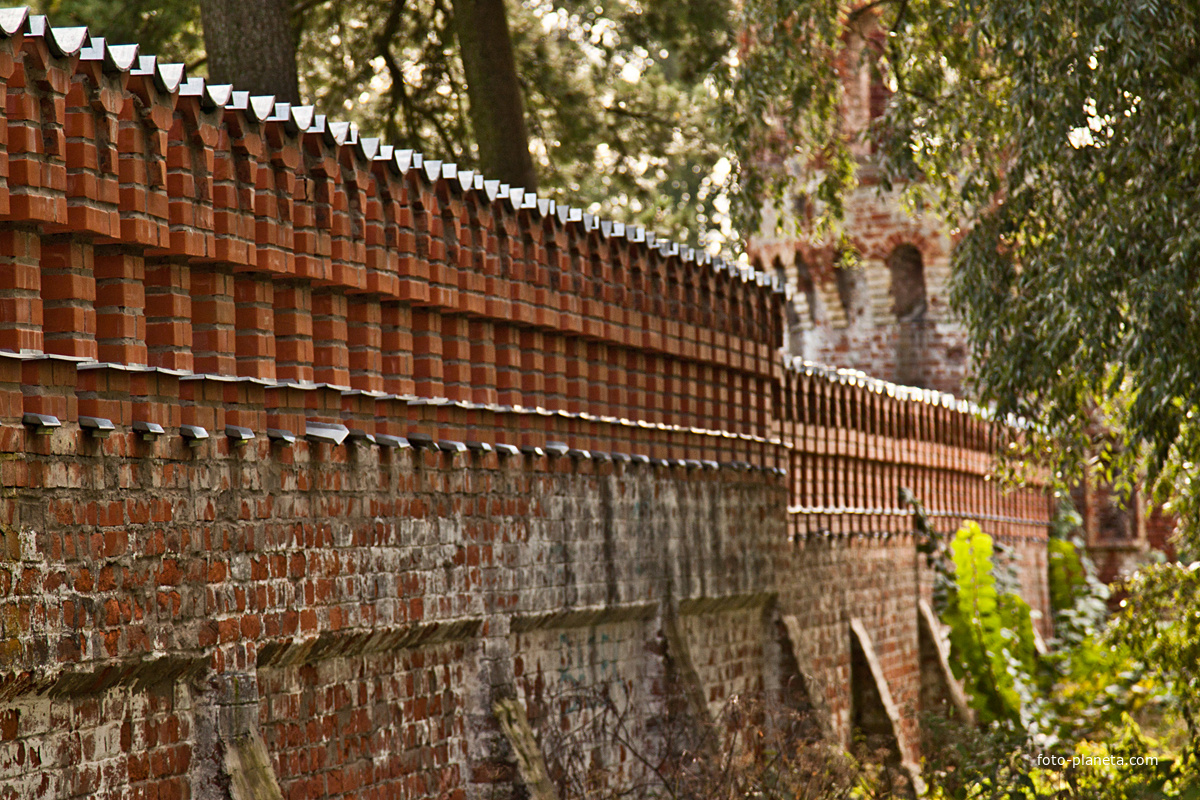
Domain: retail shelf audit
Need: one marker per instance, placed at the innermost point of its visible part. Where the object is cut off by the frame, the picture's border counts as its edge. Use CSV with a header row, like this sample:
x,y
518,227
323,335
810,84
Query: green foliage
x,y
992,764
1159,624
170,29
1066,573
1091,683
991,633
1073,286
781,101
1080,688
1061,144
1077,702
1077,597
624,109
1107,770
1088,682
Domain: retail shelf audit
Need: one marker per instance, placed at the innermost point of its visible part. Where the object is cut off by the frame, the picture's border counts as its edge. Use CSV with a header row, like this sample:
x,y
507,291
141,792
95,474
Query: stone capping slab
x,y
348,643
98,427
736,602
139,673
389,442
238,434
420,441
193,433
41,423
583,617
148,429
329,433
280,435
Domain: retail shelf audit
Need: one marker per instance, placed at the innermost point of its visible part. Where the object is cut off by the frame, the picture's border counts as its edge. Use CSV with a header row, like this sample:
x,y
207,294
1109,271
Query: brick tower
x,y
889,316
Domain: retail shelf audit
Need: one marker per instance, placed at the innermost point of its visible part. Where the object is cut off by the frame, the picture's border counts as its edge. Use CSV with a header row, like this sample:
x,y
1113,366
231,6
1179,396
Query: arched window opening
x,y
806,290
793,340
852,292
907,271
908,283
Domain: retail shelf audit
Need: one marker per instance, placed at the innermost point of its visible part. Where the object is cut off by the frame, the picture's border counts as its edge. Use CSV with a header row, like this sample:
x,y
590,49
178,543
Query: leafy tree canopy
x,y
1061,142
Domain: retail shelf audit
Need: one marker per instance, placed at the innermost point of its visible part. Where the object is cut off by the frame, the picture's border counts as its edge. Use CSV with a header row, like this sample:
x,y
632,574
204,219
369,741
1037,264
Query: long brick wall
x,y
318,455
156,221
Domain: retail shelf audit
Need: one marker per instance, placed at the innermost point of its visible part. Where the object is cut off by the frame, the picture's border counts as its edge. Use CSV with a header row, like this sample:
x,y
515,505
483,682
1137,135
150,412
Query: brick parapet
x,y
161,221
158,221
262,240
853,443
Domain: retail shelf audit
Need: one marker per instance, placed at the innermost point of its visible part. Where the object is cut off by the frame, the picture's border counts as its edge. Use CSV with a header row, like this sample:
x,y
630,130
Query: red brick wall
x,y
363,596
392,721
875,580
175,255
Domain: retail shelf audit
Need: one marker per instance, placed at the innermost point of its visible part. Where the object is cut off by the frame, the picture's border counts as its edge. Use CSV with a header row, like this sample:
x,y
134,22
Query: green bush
x,y
1068,723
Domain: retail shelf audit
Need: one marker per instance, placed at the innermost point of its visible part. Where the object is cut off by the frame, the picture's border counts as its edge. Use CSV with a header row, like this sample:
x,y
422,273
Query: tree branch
x,y
645,116
862,10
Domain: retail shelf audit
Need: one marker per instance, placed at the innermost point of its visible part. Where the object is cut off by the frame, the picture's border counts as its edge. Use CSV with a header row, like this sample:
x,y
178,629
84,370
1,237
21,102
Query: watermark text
x,y
1044,760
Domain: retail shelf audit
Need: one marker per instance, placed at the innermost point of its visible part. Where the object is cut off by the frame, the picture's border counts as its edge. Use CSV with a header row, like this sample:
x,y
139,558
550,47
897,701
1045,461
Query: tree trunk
x,y
251,44
494,93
